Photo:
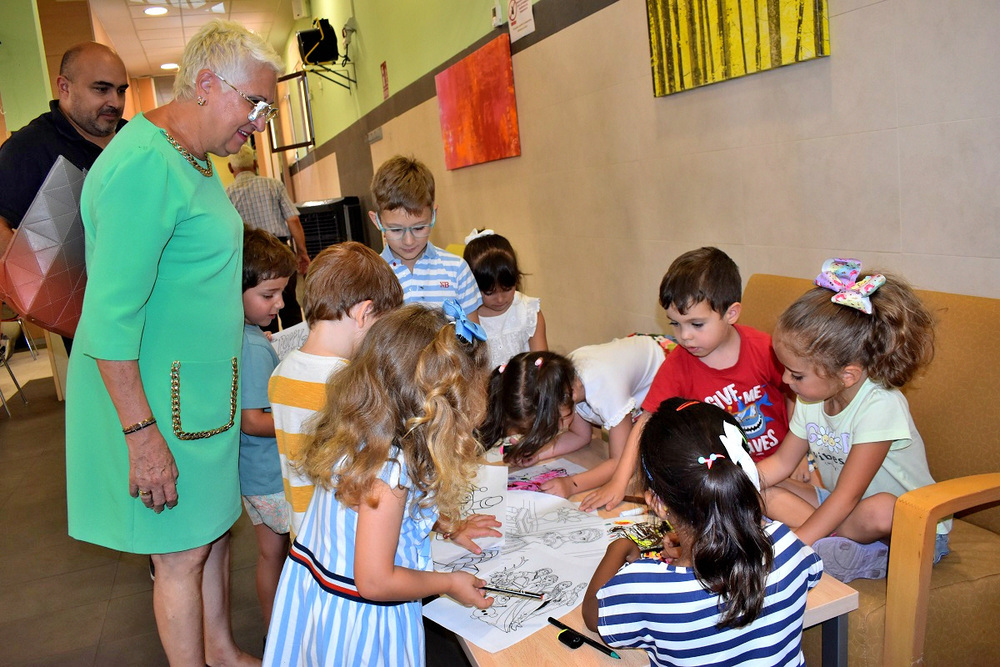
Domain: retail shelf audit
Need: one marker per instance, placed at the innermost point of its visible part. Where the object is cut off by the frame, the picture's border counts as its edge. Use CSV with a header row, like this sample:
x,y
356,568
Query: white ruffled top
x,y
508,334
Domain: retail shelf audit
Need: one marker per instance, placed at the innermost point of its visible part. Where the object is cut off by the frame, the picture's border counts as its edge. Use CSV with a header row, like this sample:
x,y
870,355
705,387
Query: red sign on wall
x,y
385,81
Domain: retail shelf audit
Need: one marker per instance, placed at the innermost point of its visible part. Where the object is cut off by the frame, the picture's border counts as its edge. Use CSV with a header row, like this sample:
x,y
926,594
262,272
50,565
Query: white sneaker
x,y
848,560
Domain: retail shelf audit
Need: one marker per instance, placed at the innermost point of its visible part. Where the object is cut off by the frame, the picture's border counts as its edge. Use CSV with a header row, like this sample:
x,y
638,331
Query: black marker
x,y
573,642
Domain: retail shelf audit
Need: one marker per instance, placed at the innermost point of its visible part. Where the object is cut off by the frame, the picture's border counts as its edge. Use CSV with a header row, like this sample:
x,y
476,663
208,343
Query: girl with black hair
x,y
735,590
513,320
543,405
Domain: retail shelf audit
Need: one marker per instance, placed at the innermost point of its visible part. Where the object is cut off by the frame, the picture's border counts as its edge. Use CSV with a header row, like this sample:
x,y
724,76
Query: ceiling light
x,y
155,11
169,66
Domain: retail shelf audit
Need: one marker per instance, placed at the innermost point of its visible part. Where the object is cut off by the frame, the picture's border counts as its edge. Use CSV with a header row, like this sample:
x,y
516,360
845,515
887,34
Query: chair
x,y
8,315
4,341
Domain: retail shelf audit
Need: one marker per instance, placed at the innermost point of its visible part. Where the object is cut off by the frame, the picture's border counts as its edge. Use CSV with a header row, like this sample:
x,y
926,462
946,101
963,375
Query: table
x,y
827,604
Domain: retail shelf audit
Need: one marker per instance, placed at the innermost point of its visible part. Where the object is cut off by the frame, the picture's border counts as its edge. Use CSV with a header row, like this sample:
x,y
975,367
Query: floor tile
x,y
140,650
53,632
65,591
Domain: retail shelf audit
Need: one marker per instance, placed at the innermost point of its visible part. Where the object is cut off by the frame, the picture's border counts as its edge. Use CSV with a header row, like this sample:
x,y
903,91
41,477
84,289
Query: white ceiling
x,y
146,42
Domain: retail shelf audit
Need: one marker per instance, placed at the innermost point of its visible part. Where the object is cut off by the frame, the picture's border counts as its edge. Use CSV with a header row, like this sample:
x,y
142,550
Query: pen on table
x,y
587,640
511,591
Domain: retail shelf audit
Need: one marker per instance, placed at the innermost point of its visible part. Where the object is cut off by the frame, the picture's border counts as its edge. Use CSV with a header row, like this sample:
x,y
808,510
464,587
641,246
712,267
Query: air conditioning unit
x,y
330,221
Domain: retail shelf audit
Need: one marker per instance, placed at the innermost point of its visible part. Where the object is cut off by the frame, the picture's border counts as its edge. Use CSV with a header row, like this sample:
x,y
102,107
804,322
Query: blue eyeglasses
x,y
420,231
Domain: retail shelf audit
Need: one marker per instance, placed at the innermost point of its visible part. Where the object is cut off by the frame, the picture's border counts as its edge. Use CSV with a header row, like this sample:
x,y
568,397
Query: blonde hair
x,y
892,344
226,48
243,158
344,275
413,385
403,182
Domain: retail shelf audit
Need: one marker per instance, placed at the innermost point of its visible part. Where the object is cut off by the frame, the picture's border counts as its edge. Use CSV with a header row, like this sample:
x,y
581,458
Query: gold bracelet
x,y
139,425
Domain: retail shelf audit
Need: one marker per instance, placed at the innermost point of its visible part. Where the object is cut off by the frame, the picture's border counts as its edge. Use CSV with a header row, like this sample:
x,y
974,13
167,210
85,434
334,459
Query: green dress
x,y
164,261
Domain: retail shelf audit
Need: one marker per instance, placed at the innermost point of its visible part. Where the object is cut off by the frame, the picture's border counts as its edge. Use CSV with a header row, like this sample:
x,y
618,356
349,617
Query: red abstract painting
x,y
478,109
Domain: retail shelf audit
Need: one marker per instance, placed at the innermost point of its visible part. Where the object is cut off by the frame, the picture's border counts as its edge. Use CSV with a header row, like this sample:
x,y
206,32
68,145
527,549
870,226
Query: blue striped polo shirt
x,y
437,276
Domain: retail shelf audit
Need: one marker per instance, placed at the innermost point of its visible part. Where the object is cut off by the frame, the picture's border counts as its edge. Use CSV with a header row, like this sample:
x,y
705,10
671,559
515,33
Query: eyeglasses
x,y
259,106
420,231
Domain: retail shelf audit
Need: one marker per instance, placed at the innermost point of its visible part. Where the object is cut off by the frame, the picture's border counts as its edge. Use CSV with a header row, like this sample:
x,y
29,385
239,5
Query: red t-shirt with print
x,y
751,390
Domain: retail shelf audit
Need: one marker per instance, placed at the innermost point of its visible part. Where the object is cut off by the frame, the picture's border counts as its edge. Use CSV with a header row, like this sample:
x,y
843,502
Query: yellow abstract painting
x,y
696,42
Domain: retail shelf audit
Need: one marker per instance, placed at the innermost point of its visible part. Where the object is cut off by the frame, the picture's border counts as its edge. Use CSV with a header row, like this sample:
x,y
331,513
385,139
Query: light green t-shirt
x,y
875,414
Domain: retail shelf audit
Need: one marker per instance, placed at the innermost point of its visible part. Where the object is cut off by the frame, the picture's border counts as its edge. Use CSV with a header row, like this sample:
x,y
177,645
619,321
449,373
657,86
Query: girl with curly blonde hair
x,y
392,456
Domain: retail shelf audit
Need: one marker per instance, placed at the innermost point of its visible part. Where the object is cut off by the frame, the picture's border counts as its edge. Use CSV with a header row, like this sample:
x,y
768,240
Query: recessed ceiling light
x,y
169,66
155,11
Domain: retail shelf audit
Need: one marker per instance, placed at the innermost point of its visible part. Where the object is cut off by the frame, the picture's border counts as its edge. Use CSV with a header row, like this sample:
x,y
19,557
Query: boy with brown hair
x,y
405,213
717,361
347,288
267,266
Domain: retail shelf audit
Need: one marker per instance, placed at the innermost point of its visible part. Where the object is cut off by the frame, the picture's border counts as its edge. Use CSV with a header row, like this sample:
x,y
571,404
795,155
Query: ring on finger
x,y
145,493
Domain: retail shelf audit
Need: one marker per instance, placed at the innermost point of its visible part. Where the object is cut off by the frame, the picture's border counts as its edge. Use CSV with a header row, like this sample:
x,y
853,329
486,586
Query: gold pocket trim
x,y
175,404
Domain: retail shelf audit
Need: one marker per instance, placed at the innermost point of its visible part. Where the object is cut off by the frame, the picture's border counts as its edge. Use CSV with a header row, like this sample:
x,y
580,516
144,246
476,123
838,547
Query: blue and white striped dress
x,y
319,618
664,610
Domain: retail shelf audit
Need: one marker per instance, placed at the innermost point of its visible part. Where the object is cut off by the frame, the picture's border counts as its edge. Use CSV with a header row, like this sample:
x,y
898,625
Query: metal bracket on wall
x,y
318,69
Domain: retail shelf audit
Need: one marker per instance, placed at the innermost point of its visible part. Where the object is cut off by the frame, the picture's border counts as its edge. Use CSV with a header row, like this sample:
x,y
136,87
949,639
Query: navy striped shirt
x,y
664,610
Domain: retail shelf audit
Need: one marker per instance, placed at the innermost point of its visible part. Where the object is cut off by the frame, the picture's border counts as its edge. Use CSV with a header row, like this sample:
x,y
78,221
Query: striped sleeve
x,y
466,288
297,391
664,610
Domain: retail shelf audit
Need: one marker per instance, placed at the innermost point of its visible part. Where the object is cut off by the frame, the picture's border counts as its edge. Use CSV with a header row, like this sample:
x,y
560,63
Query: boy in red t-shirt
x,y
717,361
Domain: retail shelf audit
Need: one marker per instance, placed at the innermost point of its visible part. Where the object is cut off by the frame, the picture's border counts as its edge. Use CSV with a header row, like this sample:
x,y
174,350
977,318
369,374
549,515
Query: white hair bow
x,y
475,235
732,440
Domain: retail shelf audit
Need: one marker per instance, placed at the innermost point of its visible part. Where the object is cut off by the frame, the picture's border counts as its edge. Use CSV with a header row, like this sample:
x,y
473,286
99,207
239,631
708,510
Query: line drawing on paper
x,y
509,613
468,562
478,500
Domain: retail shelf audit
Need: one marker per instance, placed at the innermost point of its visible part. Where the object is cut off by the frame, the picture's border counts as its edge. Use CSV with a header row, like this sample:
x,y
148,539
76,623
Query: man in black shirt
x,y
79,125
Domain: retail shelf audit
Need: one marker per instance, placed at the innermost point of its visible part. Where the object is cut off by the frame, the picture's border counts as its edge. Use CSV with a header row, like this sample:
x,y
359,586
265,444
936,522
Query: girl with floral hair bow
x,y
848,346
730,585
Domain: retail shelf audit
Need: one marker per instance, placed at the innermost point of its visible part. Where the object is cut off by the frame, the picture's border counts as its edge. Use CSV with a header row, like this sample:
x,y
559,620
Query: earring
x,y
201,101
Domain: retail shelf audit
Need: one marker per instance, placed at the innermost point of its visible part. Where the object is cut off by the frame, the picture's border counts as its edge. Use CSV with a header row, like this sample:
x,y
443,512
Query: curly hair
x,y
892,344
413,385
527,397
732,553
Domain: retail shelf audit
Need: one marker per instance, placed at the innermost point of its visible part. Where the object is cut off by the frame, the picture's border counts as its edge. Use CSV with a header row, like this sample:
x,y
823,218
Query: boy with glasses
x,y
403,190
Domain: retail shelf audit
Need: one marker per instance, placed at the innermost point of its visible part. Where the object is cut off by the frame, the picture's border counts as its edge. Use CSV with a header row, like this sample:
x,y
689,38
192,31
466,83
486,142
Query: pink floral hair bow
x,y
839,275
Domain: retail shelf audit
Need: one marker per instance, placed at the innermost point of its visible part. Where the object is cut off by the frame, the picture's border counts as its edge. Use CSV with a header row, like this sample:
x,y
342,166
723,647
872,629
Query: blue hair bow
x,y
465,328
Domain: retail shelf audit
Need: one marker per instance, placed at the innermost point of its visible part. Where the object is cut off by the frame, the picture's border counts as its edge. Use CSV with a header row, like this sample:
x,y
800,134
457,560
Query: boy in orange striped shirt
x,y
347,288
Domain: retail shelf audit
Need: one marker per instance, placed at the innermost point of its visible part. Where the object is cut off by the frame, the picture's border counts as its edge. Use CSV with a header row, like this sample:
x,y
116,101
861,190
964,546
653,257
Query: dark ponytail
x,y
732,554
527,396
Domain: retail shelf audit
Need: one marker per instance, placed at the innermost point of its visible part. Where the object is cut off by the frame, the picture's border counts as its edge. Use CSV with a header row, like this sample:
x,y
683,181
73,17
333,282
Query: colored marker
x,y
587,640
636,511
511,591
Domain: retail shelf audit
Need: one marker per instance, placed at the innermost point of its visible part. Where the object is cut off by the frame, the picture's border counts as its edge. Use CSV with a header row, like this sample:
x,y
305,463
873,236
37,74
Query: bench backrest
x,y
955,402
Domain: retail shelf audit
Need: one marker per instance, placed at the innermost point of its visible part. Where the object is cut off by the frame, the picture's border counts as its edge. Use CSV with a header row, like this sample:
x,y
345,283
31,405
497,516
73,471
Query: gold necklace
x,y
192,160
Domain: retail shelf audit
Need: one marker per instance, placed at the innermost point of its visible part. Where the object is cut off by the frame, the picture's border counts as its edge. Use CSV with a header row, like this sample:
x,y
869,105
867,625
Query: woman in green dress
x,y
152,432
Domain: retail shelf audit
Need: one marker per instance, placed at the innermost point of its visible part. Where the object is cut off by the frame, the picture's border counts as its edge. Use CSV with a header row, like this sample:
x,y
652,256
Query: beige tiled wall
x,y
888,150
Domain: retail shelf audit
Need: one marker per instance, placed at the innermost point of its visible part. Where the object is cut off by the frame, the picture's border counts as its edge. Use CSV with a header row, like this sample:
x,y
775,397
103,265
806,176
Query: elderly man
x,y
263,203
79,125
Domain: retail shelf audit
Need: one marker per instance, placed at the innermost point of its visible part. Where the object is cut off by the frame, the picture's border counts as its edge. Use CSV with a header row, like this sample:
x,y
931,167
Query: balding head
x,y
91,84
